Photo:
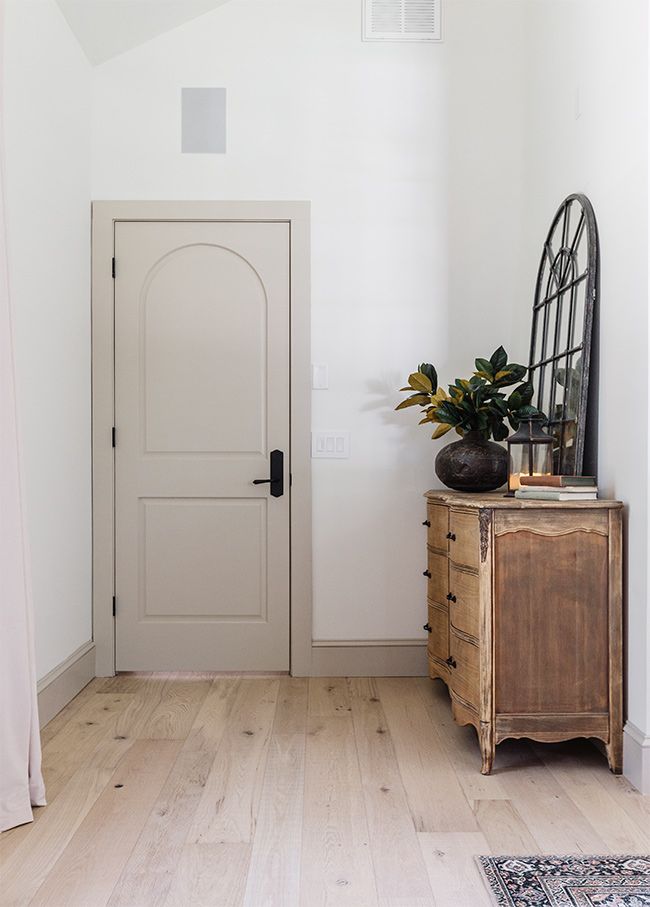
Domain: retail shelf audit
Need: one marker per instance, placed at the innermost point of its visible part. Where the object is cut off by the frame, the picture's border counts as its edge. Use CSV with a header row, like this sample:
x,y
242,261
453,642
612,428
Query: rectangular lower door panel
x,y
203,558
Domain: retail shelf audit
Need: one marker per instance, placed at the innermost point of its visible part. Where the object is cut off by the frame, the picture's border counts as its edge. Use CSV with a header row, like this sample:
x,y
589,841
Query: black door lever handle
x,y
277,474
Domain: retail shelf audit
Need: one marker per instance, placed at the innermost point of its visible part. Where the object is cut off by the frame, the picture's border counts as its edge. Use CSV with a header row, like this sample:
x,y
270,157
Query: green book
x,y
557,495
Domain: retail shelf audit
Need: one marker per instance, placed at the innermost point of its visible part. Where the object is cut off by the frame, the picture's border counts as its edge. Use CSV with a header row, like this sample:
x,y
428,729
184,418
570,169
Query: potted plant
x,y
478,409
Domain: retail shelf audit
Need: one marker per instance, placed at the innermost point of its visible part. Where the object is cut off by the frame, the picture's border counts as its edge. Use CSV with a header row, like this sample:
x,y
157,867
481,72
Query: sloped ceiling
x,y
105,28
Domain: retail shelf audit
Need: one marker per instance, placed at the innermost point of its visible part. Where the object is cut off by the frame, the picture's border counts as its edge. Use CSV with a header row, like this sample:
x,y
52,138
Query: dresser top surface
x,y
497,500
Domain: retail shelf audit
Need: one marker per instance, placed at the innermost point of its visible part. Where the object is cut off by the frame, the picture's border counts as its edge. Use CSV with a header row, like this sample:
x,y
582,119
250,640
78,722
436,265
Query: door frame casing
x,y
104,216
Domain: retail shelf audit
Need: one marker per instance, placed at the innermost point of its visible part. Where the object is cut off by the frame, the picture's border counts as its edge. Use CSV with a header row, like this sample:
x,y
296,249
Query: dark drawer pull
x,y
451,536
427,523
450,661
427,573
428,628
451,598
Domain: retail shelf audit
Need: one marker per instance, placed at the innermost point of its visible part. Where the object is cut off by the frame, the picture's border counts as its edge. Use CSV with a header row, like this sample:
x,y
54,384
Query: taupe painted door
x,y
201,400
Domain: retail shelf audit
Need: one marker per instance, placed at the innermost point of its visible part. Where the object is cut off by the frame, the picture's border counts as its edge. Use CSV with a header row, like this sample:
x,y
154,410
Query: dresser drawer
x,y
464,676
464,612
438,585
438,519
438,645
464,538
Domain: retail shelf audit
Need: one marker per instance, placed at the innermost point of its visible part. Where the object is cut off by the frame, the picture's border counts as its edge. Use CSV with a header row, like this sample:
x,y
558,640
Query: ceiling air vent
x,y
402,20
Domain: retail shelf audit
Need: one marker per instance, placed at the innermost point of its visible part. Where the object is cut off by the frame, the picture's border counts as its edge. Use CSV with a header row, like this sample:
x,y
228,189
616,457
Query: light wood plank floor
x,y
204,791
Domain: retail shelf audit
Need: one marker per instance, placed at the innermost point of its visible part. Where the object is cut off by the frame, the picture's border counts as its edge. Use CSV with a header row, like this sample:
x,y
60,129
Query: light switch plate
x,y
330,444
319,377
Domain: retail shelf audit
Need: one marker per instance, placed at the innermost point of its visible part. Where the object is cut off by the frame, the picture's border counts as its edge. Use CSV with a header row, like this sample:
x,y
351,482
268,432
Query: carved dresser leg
x,y
614,752
486,740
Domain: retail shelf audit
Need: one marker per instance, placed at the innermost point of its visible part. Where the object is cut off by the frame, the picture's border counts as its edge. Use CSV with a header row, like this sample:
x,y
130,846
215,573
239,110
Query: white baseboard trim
x,y
369,658
62,684
636,757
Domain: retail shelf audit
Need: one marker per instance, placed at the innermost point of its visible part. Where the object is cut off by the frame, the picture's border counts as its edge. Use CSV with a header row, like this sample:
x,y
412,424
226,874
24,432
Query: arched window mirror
x,y
563,313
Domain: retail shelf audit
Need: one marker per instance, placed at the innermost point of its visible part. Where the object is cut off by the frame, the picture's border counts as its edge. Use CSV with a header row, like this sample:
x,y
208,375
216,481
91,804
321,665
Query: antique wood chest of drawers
x,y
525,617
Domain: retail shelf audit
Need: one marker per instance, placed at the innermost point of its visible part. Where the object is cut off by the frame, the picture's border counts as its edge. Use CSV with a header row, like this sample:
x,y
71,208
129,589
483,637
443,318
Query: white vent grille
x,y
402,20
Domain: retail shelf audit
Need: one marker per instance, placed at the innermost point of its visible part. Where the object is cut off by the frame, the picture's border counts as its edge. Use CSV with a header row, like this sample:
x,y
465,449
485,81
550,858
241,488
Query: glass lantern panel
x,y
529,460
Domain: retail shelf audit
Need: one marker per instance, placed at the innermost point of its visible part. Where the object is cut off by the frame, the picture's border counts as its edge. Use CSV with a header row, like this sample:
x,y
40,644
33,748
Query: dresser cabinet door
x,y
438,531
464,602
438,586
551,614
438,647
465,660
464,539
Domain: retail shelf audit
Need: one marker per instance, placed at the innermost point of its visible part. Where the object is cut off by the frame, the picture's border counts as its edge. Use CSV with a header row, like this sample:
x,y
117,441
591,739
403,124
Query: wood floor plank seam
x,y
275,860
436,799
336,868
397,862
243,748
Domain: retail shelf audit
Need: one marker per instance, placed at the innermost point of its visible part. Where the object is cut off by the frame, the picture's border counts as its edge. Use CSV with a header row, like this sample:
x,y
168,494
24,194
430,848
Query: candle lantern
x,y
530,451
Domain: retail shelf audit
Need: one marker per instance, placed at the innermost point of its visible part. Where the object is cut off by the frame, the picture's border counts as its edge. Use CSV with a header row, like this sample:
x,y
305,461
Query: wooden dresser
x,y
525,617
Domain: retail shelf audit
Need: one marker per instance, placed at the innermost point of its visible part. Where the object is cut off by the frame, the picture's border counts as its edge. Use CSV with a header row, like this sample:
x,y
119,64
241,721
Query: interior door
x,y
202,401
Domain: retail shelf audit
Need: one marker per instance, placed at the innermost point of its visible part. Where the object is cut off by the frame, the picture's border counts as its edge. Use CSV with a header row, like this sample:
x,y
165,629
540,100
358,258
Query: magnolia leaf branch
x,y
476,404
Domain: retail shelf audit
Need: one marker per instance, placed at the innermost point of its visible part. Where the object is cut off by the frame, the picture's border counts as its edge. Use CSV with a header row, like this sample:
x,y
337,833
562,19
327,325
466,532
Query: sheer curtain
x,y
21,782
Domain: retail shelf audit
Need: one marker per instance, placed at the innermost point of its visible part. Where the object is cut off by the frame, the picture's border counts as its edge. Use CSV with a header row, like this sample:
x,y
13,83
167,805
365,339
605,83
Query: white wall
x,y
46,84
411,156
587,130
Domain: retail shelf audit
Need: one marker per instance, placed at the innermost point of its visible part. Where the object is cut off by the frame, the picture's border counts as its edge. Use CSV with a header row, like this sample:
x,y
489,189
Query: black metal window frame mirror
x,y
566,296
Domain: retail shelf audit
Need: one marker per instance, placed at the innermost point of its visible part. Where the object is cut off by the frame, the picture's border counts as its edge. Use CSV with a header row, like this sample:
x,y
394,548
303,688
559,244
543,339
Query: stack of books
x,y
558,488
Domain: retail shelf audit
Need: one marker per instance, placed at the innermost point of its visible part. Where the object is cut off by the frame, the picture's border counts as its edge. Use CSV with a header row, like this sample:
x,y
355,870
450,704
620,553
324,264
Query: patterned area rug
x,y
608,881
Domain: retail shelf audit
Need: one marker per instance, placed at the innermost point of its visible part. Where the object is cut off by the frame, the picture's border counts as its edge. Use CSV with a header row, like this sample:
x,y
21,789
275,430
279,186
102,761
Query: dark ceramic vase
x,y
473,464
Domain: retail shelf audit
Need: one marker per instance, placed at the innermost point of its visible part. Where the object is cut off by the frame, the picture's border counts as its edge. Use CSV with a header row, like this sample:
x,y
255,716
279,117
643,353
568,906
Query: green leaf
x,y
500,431
516,371
515,400
427,369
498,359
526,392
526,411
449,413
484,366
510,375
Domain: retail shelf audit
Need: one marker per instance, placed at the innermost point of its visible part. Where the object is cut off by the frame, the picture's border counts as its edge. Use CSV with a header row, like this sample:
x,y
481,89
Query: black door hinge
x,y
113,267
114,606
113,436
